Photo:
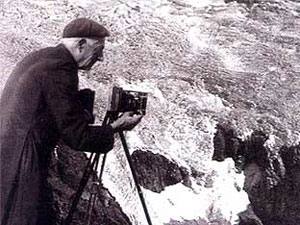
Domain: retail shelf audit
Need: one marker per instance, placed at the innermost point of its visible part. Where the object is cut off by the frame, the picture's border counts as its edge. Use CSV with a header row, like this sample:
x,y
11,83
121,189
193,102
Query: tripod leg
x,y
88,211
85,177
102,167
140,193
81,187
93,197
91,210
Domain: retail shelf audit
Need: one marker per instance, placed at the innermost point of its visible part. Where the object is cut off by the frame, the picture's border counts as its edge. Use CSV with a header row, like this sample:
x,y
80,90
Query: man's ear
x,y
81,44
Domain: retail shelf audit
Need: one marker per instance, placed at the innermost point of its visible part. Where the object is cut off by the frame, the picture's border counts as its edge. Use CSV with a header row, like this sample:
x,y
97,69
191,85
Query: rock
x,y
155,172
272,181
226,143
253,176
281,204
188,222
248,217
201,62
249,3
291,157
66,171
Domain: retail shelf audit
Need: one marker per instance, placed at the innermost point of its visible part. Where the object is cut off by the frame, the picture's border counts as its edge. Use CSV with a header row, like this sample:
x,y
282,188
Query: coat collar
x,y
66,55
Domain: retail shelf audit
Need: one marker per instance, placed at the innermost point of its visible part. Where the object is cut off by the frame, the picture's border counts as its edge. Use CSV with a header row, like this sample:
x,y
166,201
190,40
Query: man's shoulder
x,y
52,56
46,62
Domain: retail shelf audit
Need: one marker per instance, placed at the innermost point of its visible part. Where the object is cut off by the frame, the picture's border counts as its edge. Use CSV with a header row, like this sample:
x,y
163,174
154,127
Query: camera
x,y
86,98
127,100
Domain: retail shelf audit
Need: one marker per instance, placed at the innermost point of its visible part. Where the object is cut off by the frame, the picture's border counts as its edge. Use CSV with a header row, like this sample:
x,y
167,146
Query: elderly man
x,y
39,106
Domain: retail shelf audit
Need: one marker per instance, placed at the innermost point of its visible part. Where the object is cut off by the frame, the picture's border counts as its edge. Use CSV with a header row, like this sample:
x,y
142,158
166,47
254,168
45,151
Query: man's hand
x,y
126,122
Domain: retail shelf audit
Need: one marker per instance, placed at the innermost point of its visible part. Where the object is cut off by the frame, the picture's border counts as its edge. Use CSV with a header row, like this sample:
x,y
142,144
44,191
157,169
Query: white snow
x,y
271,142
134,140
202,3
230,61
82,3
231,201
198,39
179,202
207,101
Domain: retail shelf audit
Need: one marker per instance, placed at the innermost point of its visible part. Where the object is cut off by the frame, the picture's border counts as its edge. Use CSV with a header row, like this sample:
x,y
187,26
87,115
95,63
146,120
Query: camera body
x,y
127,101
86,98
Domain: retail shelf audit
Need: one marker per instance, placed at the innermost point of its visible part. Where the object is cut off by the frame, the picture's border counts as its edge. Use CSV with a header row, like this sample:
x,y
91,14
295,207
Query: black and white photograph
x,y
150,112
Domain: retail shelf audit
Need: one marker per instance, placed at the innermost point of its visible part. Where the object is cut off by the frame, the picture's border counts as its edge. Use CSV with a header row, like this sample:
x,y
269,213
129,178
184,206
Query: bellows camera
x,y
126,101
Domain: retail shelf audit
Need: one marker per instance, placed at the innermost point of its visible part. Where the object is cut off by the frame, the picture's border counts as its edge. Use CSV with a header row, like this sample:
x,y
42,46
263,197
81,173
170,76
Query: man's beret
x,y
84,27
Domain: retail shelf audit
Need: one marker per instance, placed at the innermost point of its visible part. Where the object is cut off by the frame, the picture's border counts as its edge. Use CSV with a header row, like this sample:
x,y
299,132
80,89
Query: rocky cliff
x,y
271,179
221,77
66,171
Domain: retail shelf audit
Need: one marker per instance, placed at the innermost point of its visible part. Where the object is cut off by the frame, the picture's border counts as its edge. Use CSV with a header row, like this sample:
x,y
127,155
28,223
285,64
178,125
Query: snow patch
x,y
230,61
134,140
177,202
207,102
228,185
39,3
158,94
163,11
198,39
198,4
81,3
271,142
180,203
145,86
203,3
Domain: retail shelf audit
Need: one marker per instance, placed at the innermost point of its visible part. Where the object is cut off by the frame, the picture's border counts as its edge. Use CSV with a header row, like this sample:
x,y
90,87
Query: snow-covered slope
x,y
202,62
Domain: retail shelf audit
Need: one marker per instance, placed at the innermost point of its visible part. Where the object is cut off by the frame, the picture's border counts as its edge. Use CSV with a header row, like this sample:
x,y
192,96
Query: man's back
x,y
26,134
23,90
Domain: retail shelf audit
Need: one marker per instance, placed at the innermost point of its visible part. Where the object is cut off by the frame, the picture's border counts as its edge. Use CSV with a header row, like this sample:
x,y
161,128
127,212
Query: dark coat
x,y
38,107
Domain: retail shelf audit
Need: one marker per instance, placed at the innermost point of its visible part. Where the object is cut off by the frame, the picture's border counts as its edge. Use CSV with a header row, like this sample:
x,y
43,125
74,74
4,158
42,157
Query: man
x,y
39,106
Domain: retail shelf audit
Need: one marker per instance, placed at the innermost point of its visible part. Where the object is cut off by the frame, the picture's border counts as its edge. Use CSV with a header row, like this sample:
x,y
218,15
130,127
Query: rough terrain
x,y
203,63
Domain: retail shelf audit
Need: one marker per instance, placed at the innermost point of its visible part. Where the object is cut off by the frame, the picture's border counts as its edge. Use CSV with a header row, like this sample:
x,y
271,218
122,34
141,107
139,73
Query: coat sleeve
x,y
60,88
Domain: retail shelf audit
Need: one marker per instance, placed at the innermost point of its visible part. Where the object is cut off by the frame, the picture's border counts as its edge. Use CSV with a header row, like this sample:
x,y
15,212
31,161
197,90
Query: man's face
x,y
91,51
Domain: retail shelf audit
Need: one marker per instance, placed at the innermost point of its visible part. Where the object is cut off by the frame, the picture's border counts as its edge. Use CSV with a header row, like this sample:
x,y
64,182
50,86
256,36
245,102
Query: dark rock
x,y
272,181
155,171
201,178
248,217
249,3
253,149
226,143
196,174
186,178
282,203
188,222
291,156
65,173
